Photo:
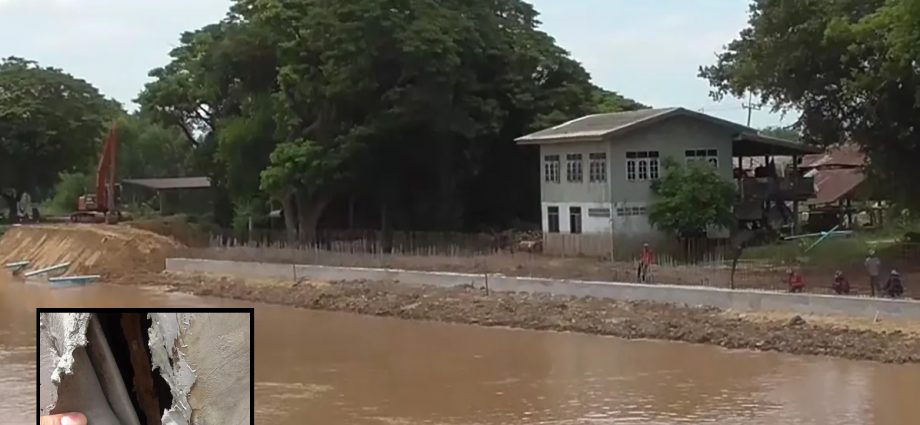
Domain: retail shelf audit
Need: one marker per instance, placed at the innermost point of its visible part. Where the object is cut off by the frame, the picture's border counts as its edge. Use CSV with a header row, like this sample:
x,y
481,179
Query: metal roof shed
x,y
175,194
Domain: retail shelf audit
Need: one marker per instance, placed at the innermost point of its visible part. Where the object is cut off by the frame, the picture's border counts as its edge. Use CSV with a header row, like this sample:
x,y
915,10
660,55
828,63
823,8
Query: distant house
x,y
597,170
838,173
188,195
840,180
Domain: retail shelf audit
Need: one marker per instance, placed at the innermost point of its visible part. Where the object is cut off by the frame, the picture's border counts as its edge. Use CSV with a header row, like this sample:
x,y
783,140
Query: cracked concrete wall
x,y
203,357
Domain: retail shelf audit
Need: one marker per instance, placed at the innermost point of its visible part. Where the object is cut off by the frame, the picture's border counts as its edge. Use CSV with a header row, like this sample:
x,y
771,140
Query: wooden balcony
x,y
777,188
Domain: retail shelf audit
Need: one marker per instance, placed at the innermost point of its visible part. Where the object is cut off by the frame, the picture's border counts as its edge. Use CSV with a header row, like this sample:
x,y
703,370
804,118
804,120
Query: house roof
x,y
832,184
847,155
172,183
598,126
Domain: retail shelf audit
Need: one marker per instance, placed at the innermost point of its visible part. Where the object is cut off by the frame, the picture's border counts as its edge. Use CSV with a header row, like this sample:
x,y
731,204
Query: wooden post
x,y
795,202
849,210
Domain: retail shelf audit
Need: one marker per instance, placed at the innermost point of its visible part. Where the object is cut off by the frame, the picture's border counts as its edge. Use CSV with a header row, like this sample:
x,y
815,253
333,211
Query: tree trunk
x,y
289,210
447,199
386,231
309,211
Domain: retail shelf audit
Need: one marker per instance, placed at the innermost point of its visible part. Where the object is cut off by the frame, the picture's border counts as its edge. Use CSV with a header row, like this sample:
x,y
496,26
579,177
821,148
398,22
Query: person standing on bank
x,y
646,259
873,264
794,280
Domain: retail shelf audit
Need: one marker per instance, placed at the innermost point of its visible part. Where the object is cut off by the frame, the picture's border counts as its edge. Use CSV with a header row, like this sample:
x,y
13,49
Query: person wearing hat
x,y
872,267
841,285
893,287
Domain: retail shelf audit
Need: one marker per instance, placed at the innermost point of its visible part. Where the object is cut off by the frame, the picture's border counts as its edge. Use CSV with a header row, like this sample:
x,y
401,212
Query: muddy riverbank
x,y
888,342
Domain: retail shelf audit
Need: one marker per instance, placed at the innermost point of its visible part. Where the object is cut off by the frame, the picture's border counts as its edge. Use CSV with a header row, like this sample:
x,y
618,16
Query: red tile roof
x,y
842,156
833,184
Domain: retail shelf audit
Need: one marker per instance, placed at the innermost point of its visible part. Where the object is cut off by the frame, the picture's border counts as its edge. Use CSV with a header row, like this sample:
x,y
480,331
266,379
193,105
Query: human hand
x,y
65,419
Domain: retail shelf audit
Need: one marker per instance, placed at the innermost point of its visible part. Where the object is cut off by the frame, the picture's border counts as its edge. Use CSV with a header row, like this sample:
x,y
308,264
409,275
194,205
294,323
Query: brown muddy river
x,y
326,368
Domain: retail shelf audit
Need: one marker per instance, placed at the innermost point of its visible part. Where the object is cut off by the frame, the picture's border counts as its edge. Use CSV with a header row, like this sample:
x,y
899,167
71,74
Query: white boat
x,y
50,271
17,267
73,280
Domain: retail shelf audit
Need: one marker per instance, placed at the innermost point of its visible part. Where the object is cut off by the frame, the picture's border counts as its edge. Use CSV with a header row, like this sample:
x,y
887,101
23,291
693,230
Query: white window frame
x,y
597,167
708,155
574,168
581,221
599,212
553,210
631,210
642,166
551,168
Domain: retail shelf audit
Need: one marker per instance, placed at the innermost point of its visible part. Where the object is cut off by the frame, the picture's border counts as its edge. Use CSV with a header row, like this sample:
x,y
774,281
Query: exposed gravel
x,y
630,320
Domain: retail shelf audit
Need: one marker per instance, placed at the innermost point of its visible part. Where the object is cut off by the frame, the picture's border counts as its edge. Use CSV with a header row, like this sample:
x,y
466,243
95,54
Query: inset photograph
x,y
145,367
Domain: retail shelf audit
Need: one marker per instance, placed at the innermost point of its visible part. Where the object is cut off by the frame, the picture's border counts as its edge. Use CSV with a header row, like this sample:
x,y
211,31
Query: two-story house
x,y
597,170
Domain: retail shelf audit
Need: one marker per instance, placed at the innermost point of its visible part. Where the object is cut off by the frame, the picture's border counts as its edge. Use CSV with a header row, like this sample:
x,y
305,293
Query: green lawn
x,y
830,252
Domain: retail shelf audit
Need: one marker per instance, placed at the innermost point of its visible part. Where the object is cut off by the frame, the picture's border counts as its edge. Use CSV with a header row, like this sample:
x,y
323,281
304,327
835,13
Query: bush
x,y
68,190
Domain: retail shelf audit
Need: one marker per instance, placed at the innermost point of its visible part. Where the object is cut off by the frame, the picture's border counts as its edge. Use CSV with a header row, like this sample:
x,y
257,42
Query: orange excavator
x,y
101,207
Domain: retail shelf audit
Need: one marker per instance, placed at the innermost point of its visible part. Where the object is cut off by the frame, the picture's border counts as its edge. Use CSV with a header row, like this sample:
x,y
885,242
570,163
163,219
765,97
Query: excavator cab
x,y
87,202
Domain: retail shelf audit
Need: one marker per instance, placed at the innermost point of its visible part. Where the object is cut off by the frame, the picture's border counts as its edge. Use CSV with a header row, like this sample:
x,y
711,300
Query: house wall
x,y
670,138
574,192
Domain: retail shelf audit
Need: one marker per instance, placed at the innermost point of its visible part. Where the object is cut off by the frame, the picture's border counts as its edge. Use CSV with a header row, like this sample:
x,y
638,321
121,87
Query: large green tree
x,y
849,66
148,150
50,122
409,106
218,90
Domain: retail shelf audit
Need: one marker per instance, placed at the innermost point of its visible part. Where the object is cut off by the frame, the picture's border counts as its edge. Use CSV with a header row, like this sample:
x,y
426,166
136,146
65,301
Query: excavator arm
x,y
105,173
101,205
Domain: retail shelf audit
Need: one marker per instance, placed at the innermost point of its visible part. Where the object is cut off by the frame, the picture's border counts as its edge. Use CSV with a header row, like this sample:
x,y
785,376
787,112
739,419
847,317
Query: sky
x,y
646,50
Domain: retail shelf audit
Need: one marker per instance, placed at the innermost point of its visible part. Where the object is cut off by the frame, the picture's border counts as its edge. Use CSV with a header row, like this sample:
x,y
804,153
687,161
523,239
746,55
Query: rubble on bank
x,y
629,320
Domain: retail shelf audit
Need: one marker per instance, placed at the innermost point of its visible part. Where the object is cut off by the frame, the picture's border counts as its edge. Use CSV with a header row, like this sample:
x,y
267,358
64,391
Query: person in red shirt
x,y
646,259
841,284
795,281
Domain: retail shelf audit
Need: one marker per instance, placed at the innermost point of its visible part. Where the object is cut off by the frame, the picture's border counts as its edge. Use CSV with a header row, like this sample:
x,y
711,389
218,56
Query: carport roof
x,y
172,183
755,144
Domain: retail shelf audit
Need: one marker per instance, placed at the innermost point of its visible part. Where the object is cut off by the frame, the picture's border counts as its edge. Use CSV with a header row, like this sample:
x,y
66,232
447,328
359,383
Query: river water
x,y
328,368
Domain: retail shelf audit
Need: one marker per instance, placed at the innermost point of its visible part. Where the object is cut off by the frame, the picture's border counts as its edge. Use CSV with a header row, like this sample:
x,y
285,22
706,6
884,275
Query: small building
x,y
840,181
174,195
597,170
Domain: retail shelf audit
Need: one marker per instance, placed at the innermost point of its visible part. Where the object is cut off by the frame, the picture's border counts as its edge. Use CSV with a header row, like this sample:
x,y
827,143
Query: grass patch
x,y
839,251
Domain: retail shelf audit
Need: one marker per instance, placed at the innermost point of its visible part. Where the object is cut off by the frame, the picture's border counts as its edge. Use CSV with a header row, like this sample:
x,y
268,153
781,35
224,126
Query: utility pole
x,y
750,106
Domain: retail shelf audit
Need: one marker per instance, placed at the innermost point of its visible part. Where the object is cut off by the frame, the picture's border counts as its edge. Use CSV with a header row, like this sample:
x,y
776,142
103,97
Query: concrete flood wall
x,y
738,300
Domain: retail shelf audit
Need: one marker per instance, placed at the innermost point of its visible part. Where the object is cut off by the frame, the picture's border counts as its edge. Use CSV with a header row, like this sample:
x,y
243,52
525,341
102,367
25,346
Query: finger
x,y
65,419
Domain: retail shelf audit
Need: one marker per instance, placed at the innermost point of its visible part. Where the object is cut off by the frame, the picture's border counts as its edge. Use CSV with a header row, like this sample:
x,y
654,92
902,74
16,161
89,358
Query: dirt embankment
x,y
887,341
90,248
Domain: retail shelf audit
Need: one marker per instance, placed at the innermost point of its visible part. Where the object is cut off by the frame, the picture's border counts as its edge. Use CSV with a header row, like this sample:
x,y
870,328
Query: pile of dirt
x,y
176,227
90,248
585,315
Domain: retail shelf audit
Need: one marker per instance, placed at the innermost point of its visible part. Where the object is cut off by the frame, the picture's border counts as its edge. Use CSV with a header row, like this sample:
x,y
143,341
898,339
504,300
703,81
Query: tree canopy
x,y
850,66
50,122
691,198
409,108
